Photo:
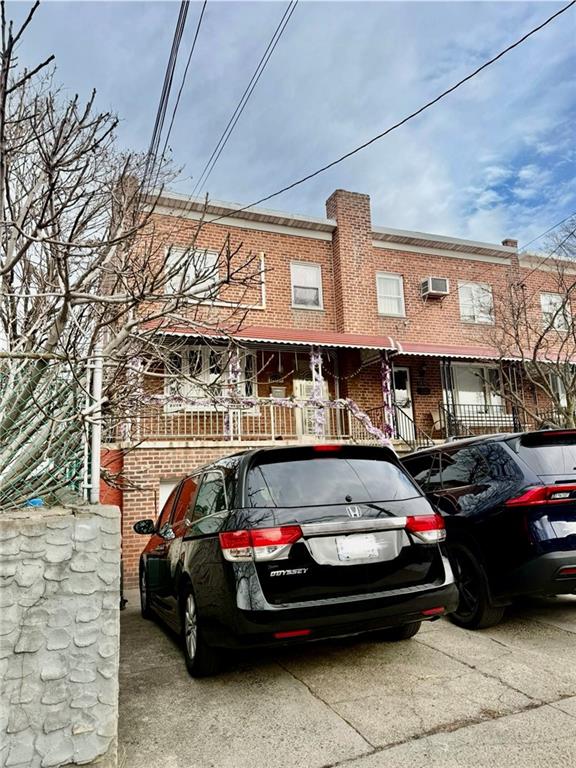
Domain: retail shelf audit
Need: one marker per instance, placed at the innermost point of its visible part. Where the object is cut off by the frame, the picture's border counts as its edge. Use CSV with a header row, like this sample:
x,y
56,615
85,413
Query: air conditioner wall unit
x,y
435,287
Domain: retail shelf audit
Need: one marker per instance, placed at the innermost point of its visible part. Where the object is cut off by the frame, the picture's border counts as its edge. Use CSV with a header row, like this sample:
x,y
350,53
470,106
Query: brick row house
x,y
391,329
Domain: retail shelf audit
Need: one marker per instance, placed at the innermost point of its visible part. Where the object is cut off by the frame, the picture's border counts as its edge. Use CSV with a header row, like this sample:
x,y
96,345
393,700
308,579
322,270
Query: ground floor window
x,y
206,372
476,385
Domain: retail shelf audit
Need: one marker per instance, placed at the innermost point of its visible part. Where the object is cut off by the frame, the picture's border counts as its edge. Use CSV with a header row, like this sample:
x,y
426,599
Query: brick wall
x,y
146,467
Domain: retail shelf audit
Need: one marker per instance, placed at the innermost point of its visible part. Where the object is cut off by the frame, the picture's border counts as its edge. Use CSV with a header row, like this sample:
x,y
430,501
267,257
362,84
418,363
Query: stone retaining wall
x,y
59,636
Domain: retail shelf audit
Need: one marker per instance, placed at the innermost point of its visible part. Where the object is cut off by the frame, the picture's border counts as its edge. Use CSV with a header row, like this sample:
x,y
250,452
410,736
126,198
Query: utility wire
x,y
570,234
177,103
223,140
165,93
554,226
406,119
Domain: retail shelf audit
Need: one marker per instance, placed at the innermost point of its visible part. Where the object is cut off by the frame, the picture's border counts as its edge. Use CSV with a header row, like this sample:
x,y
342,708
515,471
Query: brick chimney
x,y
514,260
351,254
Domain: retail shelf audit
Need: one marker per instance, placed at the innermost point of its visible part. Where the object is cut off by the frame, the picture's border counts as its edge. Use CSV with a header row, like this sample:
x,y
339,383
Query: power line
x,y
554,226
552,253
406,119
165,93
177,103
223,140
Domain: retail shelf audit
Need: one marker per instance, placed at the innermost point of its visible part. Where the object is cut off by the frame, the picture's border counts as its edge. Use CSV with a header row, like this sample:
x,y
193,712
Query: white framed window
x,y
476,385
554,311
205,374
306,280
195,273
476,302
390,293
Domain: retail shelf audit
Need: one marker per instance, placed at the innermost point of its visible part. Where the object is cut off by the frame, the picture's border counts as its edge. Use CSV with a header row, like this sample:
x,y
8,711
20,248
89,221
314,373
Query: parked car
x,y
284,545
509,504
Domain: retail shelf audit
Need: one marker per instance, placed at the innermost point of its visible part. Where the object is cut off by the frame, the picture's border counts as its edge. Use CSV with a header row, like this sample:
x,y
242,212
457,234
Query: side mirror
x,y
145,527
166,532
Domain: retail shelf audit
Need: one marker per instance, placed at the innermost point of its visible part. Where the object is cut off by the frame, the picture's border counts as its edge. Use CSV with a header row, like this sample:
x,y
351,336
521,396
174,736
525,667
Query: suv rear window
x,y
548,453
316,482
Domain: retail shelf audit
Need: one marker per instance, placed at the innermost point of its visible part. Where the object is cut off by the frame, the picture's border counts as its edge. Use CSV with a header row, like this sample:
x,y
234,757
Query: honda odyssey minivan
x,y
285,545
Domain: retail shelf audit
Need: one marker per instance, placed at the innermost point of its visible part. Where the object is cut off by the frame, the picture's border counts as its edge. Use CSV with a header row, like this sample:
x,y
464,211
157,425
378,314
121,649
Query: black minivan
x,y
283,545
509,504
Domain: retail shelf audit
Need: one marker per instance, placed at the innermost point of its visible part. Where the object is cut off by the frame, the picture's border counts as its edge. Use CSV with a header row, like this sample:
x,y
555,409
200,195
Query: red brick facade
x,y
350,253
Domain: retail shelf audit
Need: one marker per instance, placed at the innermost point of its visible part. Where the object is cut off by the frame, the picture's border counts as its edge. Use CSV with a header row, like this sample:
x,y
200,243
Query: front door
x,y
305,422
404,411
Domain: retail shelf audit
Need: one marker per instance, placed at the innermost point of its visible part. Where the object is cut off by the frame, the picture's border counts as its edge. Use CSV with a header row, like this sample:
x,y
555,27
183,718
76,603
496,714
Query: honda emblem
x,y
354,511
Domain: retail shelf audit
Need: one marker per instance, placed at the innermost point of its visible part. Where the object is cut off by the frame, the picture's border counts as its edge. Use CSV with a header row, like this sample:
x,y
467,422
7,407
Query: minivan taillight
x,y
259,543
427,528
544,494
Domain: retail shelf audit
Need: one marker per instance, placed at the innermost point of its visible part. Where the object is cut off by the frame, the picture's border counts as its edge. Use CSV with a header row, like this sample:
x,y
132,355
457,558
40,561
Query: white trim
x,y
308,265
457,241
400,279
228,221
440,252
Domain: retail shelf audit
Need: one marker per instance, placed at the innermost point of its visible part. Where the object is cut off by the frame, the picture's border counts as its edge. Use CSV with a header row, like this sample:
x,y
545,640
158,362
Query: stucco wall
x,y
59,636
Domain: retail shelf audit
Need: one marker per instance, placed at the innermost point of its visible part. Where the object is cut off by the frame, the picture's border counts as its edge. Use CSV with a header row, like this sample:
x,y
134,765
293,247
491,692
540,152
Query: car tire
x,y
145,609
201,659
402,632
475,609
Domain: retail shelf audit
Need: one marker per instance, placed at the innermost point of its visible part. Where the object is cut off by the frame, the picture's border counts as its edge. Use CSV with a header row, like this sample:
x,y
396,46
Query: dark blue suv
x,y
509,505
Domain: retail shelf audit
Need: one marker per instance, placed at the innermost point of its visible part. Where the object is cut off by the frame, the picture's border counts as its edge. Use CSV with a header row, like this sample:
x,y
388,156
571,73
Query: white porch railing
x,y
266,420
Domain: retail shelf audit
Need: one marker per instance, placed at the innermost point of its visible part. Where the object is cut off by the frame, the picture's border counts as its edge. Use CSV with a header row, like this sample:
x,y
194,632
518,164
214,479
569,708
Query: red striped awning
x,y
295,336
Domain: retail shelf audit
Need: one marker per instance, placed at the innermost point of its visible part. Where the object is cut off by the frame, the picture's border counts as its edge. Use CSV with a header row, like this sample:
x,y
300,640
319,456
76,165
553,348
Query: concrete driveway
x,y
503,697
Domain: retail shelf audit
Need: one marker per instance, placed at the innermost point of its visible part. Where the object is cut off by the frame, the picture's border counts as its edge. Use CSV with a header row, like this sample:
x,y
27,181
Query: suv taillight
x,y
427,528
544,494
259,543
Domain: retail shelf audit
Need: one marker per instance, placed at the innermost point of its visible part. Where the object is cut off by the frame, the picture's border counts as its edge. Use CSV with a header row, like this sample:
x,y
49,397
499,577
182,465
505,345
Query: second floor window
x,y
193,273
306,285
554,311
390,292
476,302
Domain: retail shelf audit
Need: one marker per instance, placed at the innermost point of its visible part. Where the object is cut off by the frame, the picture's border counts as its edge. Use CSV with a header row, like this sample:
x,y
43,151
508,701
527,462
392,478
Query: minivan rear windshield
x,y
315,482
549,453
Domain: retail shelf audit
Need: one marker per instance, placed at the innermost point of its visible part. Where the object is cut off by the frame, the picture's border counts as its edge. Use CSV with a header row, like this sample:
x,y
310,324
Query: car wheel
x,y
475,610
201,659
402,632
145,609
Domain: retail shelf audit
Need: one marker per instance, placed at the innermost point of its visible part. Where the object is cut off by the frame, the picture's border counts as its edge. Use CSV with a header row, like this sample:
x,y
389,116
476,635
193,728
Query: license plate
x,y
360,547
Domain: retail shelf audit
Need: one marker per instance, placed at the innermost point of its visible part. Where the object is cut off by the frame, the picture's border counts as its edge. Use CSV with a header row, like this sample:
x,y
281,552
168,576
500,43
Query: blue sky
x,y
496,159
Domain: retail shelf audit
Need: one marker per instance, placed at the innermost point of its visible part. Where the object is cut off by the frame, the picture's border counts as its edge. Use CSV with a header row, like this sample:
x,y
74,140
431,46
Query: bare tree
x,y
88,278
536,335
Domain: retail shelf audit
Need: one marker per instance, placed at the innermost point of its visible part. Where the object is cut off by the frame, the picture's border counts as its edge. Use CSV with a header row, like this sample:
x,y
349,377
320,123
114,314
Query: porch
x,y
335,390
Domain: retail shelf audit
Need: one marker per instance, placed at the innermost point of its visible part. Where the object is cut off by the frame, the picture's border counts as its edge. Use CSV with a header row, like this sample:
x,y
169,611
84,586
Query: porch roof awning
x,y
311,337
297,336
446,350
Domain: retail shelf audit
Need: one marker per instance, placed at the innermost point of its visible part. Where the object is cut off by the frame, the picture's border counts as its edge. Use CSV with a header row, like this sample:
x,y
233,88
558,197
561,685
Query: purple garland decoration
x,y
386,377
317,390
234,374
